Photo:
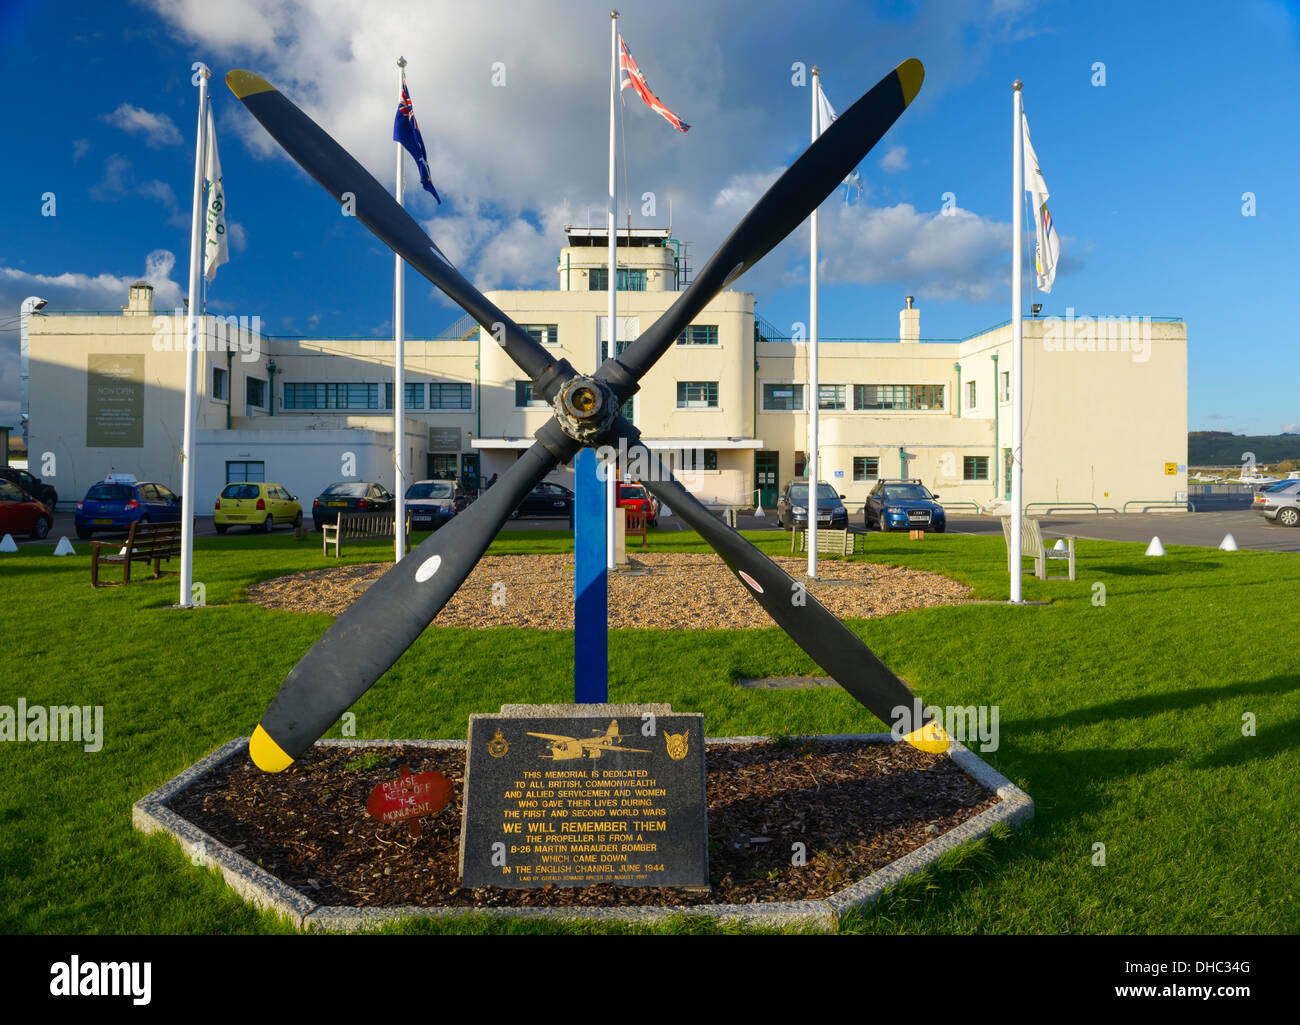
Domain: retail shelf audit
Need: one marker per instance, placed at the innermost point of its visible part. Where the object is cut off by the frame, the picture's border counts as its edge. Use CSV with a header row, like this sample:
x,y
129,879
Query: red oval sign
x,y
409,797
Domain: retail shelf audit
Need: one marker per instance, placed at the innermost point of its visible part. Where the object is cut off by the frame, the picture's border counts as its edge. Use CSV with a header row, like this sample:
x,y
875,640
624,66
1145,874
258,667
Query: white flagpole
x,y
814,399
191,351
399,358
1017,339
610,483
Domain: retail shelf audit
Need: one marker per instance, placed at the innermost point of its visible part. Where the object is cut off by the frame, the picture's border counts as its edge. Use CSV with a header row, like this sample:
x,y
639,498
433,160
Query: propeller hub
x,y
585,408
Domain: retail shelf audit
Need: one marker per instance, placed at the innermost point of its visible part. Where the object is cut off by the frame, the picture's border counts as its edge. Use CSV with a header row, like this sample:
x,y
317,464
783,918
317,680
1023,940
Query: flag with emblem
x,y
407,132
632,78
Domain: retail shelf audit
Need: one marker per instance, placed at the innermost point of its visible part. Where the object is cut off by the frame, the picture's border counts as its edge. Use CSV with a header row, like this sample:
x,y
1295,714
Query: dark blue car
x,y
903,505
118,501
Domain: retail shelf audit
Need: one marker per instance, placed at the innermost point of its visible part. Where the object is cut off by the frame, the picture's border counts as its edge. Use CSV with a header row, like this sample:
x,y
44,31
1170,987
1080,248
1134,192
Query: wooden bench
x,y
359,526
829,542
636,524
1033,547
145,542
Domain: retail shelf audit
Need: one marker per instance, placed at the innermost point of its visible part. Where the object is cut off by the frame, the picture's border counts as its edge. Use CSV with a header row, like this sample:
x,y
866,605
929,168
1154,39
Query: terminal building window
x,y
255,392
1006,386
699,334
697,459
524,395
543,334
629,279
975,467
219,382
970,394
414,396
245,472
450,396
779,397
697,394
442,467
330,396
866,467
898,396
830,396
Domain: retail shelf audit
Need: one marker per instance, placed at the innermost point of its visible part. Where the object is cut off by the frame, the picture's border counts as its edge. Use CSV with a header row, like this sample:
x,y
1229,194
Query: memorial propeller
x,y
373,633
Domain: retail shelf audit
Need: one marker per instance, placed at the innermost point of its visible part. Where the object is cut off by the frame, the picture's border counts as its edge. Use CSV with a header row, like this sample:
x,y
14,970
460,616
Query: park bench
x,y
829,542
1033,547
360,526
636,524
145,542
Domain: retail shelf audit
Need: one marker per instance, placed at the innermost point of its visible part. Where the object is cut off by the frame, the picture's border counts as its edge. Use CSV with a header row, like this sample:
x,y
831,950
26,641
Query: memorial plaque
x,y
574,795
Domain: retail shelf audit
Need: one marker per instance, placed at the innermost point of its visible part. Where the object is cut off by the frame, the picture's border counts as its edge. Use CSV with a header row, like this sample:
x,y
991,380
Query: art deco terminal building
x,y
1105,417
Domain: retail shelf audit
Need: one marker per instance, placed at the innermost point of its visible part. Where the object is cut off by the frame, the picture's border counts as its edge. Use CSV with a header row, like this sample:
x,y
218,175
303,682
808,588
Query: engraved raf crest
x,y
497,746
676,745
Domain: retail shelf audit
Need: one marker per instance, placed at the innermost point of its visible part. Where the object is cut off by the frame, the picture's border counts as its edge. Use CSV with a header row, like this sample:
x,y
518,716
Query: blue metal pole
x,y
590,598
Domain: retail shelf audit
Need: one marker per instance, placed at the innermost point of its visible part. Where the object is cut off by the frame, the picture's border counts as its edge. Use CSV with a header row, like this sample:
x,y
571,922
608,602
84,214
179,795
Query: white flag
x,y
1047,251
825,115
214,237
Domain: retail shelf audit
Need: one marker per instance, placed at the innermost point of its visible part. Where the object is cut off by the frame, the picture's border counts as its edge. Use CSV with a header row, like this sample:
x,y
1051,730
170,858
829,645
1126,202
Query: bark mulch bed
x,y
663,591
857,806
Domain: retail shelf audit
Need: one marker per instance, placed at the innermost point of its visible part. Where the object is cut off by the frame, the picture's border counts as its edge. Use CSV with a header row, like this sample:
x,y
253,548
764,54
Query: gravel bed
x,y
662,591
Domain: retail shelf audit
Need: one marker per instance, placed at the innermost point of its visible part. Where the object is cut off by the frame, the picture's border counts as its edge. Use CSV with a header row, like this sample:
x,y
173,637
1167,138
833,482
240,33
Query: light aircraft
x,y
567,748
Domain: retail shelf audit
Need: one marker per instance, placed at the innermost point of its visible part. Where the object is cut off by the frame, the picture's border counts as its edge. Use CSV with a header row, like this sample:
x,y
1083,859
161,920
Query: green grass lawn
x,y
1110,717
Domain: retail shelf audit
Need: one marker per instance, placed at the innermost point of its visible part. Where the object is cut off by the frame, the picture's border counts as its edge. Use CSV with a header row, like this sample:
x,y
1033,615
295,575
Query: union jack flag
x,y
631,78
407,132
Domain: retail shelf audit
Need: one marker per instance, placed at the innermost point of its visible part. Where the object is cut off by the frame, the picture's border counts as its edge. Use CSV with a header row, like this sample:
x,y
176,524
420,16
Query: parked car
x,y
349,496
635,496
120,500
903,505
545,500
20,513
792,507
43,493
1279,502
258,505
431,503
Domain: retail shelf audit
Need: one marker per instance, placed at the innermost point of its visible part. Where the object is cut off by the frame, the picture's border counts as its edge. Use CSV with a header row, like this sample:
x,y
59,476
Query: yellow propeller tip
x,y
930,738
266,753
246,83
911,73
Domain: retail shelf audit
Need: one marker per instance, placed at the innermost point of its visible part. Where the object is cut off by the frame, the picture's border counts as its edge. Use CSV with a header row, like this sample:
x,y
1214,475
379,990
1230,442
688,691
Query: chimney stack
x,y
139,299
909,323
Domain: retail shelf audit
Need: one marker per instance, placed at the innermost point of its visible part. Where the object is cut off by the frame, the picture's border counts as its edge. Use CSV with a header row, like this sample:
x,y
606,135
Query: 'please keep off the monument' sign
x,y
573,795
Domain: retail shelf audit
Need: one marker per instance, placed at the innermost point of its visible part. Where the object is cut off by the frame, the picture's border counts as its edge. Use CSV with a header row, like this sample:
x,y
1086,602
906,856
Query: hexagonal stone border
x,y
152,814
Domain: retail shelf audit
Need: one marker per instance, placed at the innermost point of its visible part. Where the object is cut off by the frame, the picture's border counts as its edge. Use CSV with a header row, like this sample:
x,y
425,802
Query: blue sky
x,y
1147,171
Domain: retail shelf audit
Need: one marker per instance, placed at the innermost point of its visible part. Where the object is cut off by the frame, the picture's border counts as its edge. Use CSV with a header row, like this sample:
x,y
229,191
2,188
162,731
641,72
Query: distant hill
x,y
1220,448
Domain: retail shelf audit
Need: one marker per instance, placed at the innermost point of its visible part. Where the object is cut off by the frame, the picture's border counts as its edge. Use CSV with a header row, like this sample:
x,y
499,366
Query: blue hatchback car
x,y
120,500
903,505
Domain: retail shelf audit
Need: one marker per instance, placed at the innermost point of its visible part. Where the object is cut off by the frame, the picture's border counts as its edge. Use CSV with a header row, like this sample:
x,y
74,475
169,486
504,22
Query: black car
x,y
349,496
545,500
792,507
903,505
431,503
43,493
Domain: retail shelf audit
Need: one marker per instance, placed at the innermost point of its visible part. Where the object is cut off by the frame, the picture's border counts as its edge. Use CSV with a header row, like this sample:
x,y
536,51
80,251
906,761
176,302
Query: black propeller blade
x,y
830,643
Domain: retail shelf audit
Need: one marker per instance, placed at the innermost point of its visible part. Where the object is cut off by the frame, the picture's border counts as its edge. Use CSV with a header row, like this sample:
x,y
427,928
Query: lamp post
x,y
30,305
270,385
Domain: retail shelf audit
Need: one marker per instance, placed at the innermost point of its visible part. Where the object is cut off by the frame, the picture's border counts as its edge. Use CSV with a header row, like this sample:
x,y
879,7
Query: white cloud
x,y
895,160
119,181
158,130
1292,428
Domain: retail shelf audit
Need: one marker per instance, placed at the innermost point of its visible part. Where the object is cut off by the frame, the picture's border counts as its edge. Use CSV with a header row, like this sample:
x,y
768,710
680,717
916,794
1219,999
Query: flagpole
x,y
399,357
610,482
1017,337
815,397
191,352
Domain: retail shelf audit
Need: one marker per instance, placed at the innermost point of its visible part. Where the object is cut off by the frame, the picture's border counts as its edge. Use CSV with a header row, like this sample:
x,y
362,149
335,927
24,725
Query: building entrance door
x,y
469,471
767,470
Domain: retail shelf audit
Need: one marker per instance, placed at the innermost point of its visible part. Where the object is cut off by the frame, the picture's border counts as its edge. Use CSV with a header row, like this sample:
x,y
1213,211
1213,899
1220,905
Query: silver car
x,y
1279,502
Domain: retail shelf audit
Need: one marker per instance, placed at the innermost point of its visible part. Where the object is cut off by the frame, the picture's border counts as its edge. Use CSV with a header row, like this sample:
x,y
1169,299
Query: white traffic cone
x,y
1228,544
1060,545
1155,547
64,547
7,544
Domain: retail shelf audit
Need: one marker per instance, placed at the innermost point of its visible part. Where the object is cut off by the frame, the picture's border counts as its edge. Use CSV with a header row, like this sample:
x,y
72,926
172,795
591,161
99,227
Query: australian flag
x,y
407,132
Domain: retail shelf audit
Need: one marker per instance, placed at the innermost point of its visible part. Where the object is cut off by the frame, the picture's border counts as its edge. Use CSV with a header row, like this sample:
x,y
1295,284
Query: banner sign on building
x,y
444,439
114,401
